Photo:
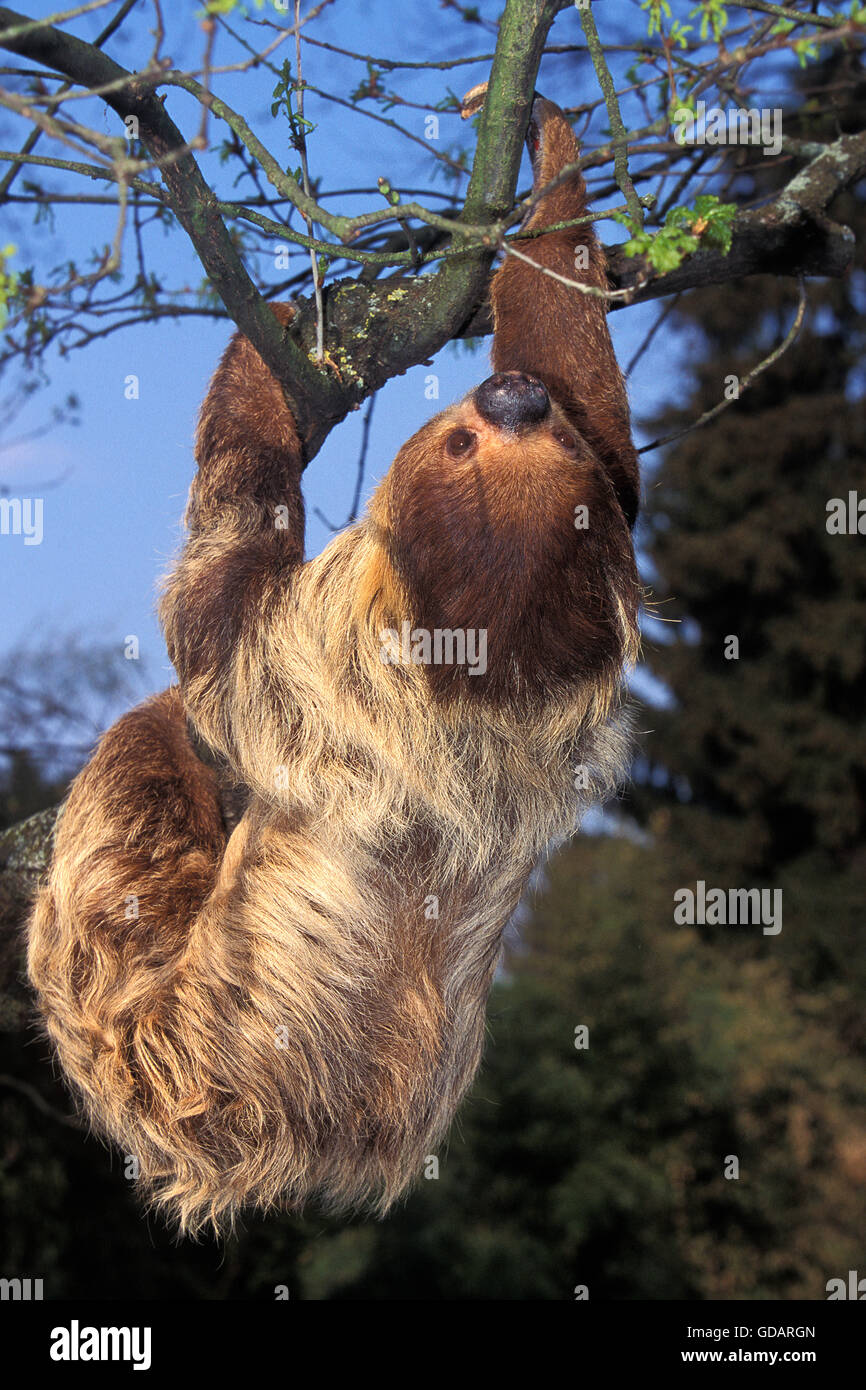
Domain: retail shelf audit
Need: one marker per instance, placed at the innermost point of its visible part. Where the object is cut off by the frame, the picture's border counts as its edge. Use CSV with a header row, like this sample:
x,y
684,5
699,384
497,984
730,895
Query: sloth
x,y
279,994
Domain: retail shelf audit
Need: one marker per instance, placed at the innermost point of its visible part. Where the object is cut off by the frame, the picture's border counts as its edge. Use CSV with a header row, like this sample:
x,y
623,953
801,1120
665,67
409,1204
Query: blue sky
x,y
114,488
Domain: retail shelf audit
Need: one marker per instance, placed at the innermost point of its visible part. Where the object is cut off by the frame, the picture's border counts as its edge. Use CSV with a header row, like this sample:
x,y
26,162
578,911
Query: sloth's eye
x,y
459,442
566,439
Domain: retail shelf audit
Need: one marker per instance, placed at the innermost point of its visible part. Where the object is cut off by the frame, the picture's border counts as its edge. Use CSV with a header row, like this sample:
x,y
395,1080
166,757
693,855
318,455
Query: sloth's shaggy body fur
x,y
297,1008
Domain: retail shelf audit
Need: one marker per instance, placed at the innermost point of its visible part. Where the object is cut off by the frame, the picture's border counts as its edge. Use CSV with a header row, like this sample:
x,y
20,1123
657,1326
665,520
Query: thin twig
x,y
617,128
789,340
359,477
17,31
782,12
14,1084
305,172
111,28
592,291
668,309
362,457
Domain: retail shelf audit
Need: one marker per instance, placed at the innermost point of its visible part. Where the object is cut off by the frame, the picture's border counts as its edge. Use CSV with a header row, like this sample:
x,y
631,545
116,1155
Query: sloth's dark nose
x,y
512,399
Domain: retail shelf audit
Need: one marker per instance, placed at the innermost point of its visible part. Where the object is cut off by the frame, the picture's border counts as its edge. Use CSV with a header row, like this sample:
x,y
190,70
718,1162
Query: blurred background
x,y
604,1167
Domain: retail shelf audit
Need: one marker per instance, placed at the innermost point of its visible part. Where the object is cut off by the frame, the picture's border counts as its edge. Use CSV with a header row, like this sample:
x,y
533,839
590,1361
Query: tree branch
x,y
617,128
191,199
111,28
793,235
404,327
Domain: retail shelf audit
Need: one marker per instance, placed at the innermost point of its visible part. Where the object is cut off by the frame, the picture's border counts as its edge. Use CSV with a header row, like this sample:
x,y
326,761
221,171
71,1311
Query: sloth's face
x,y
499,516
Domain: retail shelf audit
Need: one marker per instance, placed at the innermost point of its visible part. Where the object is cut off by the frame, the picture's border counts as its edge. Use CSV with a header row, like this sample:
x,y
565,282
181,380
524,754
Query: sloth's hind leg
x,y
138,850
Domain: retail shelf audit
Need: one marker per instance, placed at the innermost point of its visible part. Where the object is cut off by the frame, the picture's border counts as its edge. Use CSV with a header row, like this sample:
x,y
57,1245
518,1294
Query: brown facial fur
x,y
296,1010
488,541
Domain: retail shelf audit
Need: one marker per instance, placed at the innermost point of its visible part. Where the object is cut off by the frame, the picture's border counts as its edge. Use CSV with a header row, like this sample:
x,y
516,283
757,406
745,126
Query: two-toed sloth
x,y
293,1006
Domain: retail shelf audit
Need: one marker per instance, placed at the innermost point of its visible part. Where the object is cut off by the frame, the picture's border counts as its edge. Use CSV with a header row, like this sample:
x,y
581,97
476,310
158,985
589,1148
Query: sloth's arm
x,y
246,535
554,331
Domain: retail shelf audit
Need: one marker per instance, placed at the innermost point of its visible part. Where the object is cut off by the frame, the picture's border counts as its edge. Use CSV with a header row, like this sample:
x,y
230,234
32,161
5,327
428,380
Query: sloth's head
x,y
499,515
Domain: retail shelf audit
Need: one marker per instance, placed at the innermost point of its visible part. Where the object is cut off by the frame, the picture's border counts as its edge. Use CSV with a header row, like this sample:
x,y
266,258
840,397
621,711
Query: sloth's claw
x,y
542,110
473,101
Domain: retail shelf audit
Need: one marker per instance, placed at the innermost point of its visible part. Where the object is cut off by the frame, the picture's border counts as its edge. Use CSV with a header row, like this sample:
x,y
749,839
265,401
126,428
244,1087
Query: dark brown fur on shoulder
x,y
264,966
